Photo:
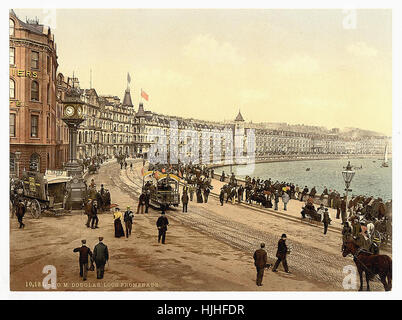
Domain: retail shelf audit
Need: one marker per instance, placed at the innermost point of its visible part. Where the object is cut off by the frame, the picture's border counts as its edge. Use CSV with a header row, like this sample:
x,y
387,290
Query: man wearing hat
x,y
100,256
128,221
162,224
326,220
260,261
281,254
83,259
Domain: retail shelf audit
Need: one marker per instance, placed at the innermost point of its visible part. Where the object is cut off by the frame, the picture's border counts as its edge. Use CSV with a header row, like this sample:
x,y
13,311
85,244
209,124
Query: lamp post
x,y
348,175
17,162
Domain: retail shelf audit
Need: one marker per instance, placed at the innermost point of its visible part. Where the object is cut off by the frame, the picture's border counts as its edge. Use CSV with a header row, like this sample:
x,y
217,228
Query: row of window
x,y
34,125
34,90
34,162
34,59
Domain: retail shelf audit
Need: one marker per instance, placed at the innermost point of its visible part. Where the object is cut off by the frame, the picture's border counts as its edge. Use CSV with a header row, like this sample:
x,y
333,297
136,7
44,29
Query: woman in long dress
x,y
118,227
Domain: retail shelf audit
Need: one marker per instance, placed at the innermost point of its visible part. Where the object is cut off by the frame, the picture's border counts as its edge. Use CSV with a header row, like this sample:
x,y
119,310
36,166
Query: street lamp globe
x,y
348,175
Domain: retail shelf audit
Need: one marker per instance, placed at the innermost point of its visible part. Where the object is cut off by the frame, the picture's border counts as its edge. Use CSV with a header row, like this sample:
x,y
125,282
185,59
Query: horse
x,y
370,264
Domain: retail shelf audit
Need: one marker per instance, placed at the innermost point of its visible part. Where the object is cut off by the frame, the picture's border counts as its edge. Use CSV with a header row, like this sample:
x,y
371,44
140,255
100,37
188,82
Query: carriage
x,y
93,168
163,189
44,192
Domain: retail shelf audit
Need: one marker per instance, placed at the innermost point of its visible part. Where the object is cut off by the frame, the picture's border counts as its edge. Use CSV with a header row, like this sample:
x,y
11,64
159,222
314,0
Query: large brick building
x,y
36,131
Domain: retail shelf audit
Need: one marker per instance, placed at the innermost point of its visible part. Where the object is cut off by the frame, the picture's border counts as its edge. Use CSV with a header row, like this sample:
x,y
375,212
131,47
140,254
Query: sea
x,y
370,178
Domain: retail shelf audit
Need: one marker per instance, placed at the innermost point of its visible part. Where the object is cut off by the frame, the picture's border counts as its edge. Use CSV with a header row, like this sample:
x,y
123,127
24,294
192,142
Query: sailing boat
x,y
385,162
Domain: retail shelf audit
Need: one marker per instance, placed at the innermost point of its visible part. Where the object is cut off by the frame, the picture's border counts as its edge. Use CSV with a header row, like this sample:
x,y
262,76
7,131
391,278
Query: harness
x,y
366,269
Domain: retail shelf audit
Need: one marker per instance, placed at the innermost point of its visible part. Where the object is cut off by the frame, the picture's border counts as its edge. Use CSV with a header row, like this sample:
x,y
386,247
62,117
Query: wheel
x,y
35,209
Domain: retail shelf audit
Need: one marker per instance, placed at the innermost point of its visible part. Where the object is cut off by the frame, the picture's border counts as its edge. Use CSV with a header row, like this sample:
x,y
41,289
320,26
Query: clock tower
x,y
73,117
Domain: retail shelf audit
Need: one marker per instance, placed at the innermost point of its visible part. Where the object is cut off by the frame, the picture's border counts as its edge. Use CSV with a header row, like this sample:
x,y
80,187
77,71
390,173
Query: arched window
x,y
35,91
34,162
12,27
12,89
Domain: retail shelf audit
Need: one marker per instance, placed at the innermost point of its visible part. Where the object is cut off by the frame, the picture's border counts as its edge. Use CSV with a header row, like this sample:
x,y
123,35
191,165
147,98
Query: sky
x,y
330,68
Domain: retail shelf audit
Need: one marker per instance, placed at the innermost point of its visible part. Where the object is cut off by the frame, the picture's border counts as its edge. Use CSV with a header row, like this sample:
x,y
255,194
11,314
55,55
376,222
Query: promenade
x,y
294,208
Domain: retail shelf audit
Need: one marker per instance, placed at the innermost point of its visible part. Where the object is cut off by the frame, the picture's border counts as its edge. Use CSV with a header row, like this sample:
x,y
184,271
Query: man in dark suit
x,y
147,198
281,254
260,261
100,256
162,224
85,252
94,214
184,200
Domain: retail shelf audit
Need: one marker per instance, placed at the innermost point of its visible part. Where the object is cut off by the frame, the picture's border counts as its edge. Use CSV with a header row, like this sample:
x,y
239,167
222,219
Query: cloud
x,y
205,48
298,64
361,49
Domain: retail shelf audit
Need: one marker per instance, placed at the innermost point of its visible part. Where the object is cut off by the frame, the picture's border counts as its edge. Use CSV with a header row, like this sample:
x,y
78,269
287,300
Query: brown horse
x,y
370,264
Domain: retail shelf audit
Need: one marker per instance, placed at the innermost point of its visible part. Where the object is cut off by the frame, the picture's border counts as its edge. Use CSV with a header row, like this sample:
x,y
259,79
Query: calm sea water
x,y
370,180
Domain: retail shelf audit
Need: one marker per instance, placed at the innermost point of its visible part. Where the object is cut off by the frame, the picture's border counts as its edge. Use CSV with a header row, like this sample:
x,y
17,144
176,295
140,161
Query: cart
x,y
45,192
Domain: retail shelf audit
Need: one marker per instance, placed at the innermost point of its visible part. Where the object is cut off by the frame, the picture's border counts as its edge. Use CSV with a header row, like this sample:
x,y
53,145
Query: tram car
x,y
163,189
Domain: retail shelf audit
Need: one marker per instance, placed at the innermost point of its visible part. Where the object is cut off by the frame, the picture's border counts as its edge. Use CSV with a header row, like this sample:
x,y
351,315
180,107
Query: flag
x,y
144,95
128,78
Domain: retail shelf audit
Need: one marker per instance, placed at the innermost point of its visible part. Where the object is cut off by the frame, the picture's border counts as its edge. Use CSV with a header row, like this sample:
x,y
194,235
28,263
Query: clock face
x,y
69,111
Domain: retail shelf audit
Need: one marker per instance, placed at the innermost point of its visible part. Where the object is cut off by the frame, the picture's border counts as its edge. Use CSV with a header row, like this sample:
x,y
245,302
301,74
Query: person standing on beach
x,y
260,261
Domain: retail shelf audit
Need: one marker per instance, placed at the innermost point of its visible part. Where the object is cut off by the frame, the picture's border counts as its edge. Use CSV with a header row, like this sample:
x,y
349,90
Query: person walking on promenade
x,y
326,220
285,200
240,192
276,197
260,261
346,232
141,203
118,228
20,212
343,209
125,165
128,221
94,215
305,192
100,256
147,199
85,253
206,194
162,224
223,176
184,200
222,196
131,166
281,254
192,190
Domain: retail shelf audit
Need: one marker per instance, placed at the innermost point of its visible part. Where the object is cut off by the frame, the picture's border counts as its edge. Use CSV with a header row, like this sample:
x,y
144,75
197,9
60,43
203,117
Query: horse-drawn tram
x,y
163,189
45,192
